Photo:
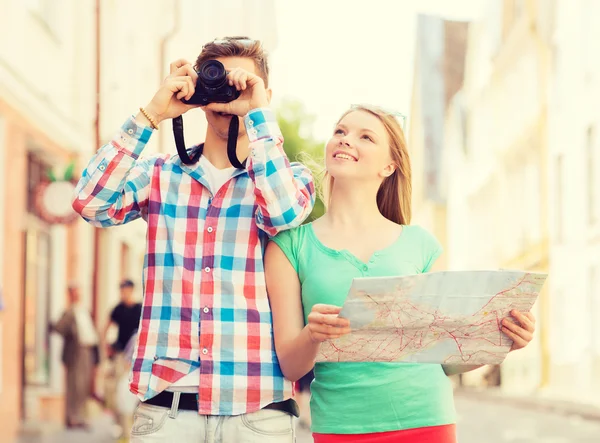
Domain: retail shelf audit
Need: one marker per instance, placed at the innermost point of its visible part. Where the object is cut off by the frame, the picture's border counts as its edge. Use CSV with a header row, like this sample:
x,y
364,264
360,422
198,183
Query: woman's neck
x,y
353,206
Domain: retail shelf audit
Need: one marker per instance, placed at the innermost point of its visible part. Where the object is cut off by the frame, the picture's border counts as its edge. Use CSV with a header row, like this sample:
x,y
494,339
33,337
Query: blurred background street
x,y
479,421
503,131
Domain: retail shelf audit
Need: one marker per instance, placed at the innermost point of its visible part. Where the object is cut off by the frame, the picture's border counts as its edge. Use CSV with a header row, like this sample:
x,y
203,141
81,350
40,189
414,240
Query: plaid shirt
x,y
205,300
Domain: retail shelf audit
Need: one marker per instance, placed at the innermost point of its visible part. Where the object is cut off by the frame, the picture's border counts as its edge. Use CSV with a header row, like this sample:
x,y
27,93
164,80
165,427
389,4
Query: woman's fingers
x,y
518,341
518,330
328,319
330,330
326,309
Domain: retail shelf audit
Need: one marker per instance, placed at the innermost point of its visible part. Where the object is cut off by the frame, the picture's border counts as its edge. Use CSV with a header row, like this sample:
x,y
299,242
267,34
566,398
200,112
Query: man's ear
x,y
388,170
269,94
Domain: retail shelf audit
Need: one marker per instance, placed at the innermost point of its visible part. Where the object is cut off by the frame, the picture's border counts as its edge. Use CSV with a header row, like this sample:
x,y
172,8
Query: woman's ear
x,y
388,170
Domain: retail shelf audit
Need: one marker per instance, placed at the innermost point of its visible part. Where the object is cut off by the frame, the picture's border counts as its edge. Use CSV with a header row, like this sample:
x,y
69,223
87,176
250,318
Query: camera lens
x,y
212,73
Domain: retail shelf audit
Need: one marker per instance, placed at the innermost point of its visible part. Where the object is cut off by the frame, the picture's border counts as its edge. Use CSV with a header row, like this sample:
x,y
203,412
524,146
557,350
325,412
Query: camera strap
x,y
234,127
232,137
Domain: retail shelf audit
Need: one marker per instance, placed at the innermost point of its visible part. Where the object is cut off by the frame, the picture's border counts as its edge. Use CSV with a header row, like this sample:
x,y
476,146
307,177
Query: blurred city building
x,y
511,177
69,77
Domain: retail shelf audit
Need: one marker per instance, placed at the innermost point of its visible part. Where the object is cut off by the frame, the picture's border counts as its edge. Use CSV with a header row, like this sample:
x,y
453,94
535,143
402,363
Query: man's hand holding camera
x,y
253,94
180,85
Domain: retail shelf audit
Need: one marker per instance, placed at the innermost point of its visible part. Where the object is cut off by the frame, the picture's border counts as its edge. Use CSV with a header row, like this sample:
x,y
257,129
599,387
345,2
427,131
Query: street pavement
x,y
486,421
479,421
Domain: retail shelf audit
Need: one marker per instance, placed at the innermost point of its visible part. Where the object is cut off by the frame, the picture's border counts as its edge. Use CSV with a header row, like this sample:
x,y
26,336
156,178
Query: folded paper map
x,y
448,317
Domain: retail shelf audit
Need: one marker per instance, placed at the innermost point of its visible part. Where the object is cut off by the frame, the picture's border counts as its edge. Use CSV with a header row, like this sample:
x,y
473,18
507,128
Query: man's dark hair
x,y
127,284
241,46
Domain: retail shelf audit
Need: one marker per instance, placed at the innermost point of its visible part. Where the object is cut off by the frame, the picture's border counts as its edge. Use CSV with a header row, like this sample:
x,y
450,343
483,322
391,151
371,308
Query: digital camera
x,y
212,85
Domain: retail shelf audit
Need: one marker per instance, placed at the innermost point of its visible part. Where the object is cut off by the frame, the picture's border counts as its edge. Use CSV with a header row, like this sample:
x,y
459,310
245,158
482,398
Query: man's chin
x,y
220,124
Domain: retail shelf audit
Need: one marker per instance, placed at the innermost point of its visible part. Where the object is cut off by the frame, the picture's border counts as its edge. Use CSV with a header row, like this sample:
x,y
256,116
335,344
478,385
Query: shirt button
x,y
210,229
130,131
205,351
102,167
250,122
365,268
150,421
206,310
207,269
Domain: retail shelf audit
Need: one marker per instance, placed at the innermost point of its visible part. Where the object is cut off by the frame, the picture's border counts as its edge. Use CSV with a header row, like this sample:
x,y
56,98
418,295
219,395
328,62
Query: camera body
x,y
212,85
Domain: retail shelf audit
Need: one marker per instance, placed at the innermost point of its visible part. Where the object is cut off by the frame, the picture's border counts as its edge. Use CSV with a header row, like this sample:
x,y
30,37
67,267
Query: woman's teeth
x,y
345,157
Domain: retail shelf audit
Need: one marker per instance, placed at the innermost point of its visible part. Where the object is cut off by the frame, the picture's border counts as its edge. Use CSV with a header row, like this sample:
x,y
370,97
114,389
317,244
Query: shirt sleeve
x,y
432,249
115,187
114,315
287,242
284,191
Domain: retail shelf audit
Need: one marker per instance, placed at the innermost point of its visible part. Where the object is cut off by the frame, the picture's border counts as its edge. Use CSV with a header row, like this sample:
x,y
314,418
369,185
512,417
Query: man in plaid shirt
x,y
204,365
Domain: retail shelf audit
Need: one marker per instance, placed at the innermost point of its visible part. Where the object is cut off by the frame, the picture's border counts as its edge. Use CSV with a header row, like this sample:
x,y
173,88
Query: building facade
x,y
69,77
438,75
574,205
46,117
498,179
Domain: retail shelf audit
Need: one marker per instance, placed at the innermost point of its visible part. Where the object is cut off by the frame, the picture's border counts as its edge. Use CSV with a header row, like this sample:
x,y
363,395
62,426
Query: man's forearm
x,y
459,369
285,193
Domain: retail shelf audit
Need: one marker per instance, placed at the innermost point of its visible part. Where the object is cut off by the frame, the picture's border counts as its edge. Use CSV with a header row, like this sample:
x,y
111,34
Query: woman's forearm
x,y
459,369
297,357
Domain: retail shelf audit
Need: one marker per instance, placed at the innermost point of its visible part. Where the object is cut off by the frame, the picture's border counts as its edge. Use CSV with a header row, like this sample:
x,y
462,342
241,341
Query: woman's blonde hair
x,y
394,194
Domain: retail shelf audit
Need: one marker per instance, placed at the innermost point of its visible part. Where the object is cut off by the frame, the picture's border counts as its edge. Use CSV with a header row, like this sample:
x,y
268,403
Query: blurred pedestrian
x,y
126,317
80,356
365,232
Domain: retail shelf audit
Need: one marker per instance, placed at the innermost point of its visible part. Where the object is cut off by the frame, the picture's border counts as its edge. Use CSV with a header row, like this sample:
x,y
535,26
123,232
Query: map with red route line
x,y
450,317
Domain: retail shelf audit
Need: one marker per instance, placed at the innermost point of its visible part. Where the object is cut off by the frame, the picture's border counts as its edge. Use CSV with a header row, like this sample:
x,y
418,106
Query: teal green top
x,y
360,398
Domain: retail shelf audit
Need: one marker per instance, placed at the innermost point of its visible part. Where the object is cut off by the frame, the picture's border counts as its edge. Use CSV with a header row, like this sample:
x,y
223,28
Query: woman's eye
x,y
366,137
339,131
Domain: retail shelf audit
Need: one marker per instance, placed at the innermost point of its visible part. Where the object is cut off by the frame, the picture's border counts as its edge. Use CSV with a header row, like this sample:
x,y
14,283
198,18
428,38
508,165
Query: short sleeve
x,y
288,243
432,249
114,315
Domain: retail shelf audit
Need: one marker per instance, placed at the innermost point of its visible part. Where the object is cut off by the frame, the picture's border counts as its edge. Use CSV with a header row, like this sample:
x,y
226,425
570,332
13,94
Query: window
x,y
36,342
592,180
37,283
37,172
558,194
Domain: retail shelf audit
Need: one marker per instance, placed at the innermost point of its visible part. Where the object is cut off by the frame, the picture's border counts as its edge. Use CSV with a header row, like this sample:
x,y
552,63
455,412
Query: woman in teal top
x,y
309,269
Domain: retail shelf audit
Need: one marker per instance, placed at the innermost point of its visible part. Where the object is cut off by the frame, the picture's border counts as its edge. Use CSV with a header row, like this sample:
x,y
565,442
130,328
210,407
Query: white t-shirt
x,y
215,178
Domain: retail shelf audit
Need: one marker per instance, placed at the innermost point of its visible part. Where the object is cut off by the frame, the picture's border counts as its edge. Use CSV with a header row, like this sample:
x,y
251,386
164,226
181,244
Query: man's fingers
x,y
178,64
235,78
187,71
238,78
179,87
218,107
191,88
